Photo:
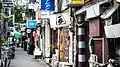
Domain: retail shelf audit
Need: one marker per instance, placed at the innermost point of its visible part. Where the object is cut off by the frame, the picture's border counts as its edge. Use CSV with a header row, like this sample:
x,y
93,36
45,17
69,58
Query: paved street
x,y
22,59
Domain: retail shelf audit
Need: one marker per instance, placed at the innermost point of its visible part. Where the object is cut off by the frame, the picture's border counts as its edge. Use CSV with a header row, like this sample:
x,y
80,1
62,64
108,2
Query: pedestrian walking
x,y
18,38
24,41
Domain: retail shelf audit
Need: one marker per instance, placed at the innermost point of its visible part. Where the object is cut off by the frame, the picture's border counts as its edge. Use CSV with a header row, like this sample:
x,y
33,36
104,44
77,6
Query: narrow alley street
x,y
22,59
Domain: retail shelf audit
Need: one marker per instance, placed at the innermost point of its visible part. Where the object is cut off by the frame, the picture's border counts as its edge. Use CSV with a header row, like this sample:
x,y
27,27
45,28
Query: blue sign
x,y
31,24
47,5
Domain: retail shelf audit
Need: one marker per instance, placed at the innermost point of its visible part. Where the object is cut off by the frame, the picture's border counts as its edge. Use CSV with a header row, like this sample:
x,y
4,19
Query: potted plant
x,y
56,46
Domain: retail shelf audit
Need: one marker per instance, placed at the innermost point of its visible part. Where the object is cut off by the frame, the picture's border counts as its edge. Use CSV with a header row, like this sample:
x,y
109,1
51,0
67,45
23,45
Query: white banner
x,y
60,20
112,31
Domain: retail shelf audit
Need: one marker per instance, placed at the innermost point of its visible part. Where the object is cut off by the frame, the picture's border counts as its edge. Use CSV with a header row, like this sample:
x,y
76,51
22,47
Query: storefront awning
x,y
85,8
109,12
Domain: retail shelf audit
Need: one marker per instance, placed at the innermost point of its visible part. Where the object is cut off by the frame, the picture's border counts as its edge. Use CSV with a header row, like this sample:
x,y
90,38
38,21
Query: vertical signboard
x,y
47,5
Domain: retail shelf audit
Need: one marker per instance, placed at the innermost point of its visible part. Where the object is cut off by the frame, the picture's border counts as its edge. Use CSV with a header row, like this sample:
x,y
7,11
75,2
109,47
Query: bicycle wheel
x,y
9,61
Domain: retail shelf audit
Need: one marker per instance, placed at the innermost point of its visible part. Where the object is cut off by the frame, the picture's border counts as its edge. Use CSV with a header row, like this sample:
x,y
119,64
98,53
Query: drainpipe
x,y
43,37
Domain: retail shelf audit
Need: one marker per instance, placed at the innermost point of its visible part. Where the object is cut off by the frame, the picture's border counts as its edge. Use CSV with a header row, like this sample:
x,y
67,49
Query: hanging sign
x,y
60,20
31,23
47,5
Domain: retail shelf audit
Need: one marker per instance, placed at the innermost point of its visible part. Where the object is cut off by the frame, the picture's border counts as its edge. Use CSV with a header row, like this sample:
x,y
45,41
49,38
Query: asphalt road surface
x,y
22,59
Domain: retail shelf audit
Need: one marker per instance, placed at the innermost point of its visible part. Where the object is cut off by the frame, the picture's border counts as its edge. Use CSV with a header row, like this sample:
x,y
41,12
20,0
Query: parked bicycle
x,y
5,56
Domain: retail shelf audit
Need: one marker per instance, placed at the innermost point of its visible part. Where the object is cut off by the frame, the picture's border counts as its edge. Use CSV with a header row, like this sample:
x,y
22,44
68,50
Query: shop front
x,y
94,30
112,26
62,36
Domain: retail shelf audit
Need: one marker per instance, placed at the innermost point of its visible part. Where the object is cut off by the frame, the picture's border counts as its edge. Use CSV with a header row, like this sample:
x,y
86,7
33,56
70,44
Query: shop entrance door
x,y
99,49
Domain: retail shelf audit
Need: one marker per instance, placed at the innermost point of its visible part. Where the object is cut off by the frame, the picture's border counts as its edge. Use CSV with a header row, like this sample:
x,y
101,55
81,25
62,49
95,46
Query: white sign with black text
x,y
112,31
60,20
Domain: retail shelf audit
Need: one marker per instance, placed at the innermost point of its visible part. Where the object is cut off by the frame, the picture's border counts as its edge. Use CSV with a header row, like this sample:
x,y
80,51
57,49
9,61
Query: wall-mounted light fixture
x,y
80,19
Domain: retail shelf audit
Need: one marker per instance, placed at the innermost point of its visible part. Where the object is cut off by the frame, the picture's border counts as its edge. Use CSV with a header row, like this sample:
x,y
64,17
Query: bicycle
x,y
5,56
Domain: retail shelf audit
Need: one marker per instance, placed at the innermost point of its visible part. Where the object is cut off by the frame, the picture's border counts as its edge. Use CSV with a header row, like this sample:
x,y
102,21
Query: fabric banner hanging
x,y
60,20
